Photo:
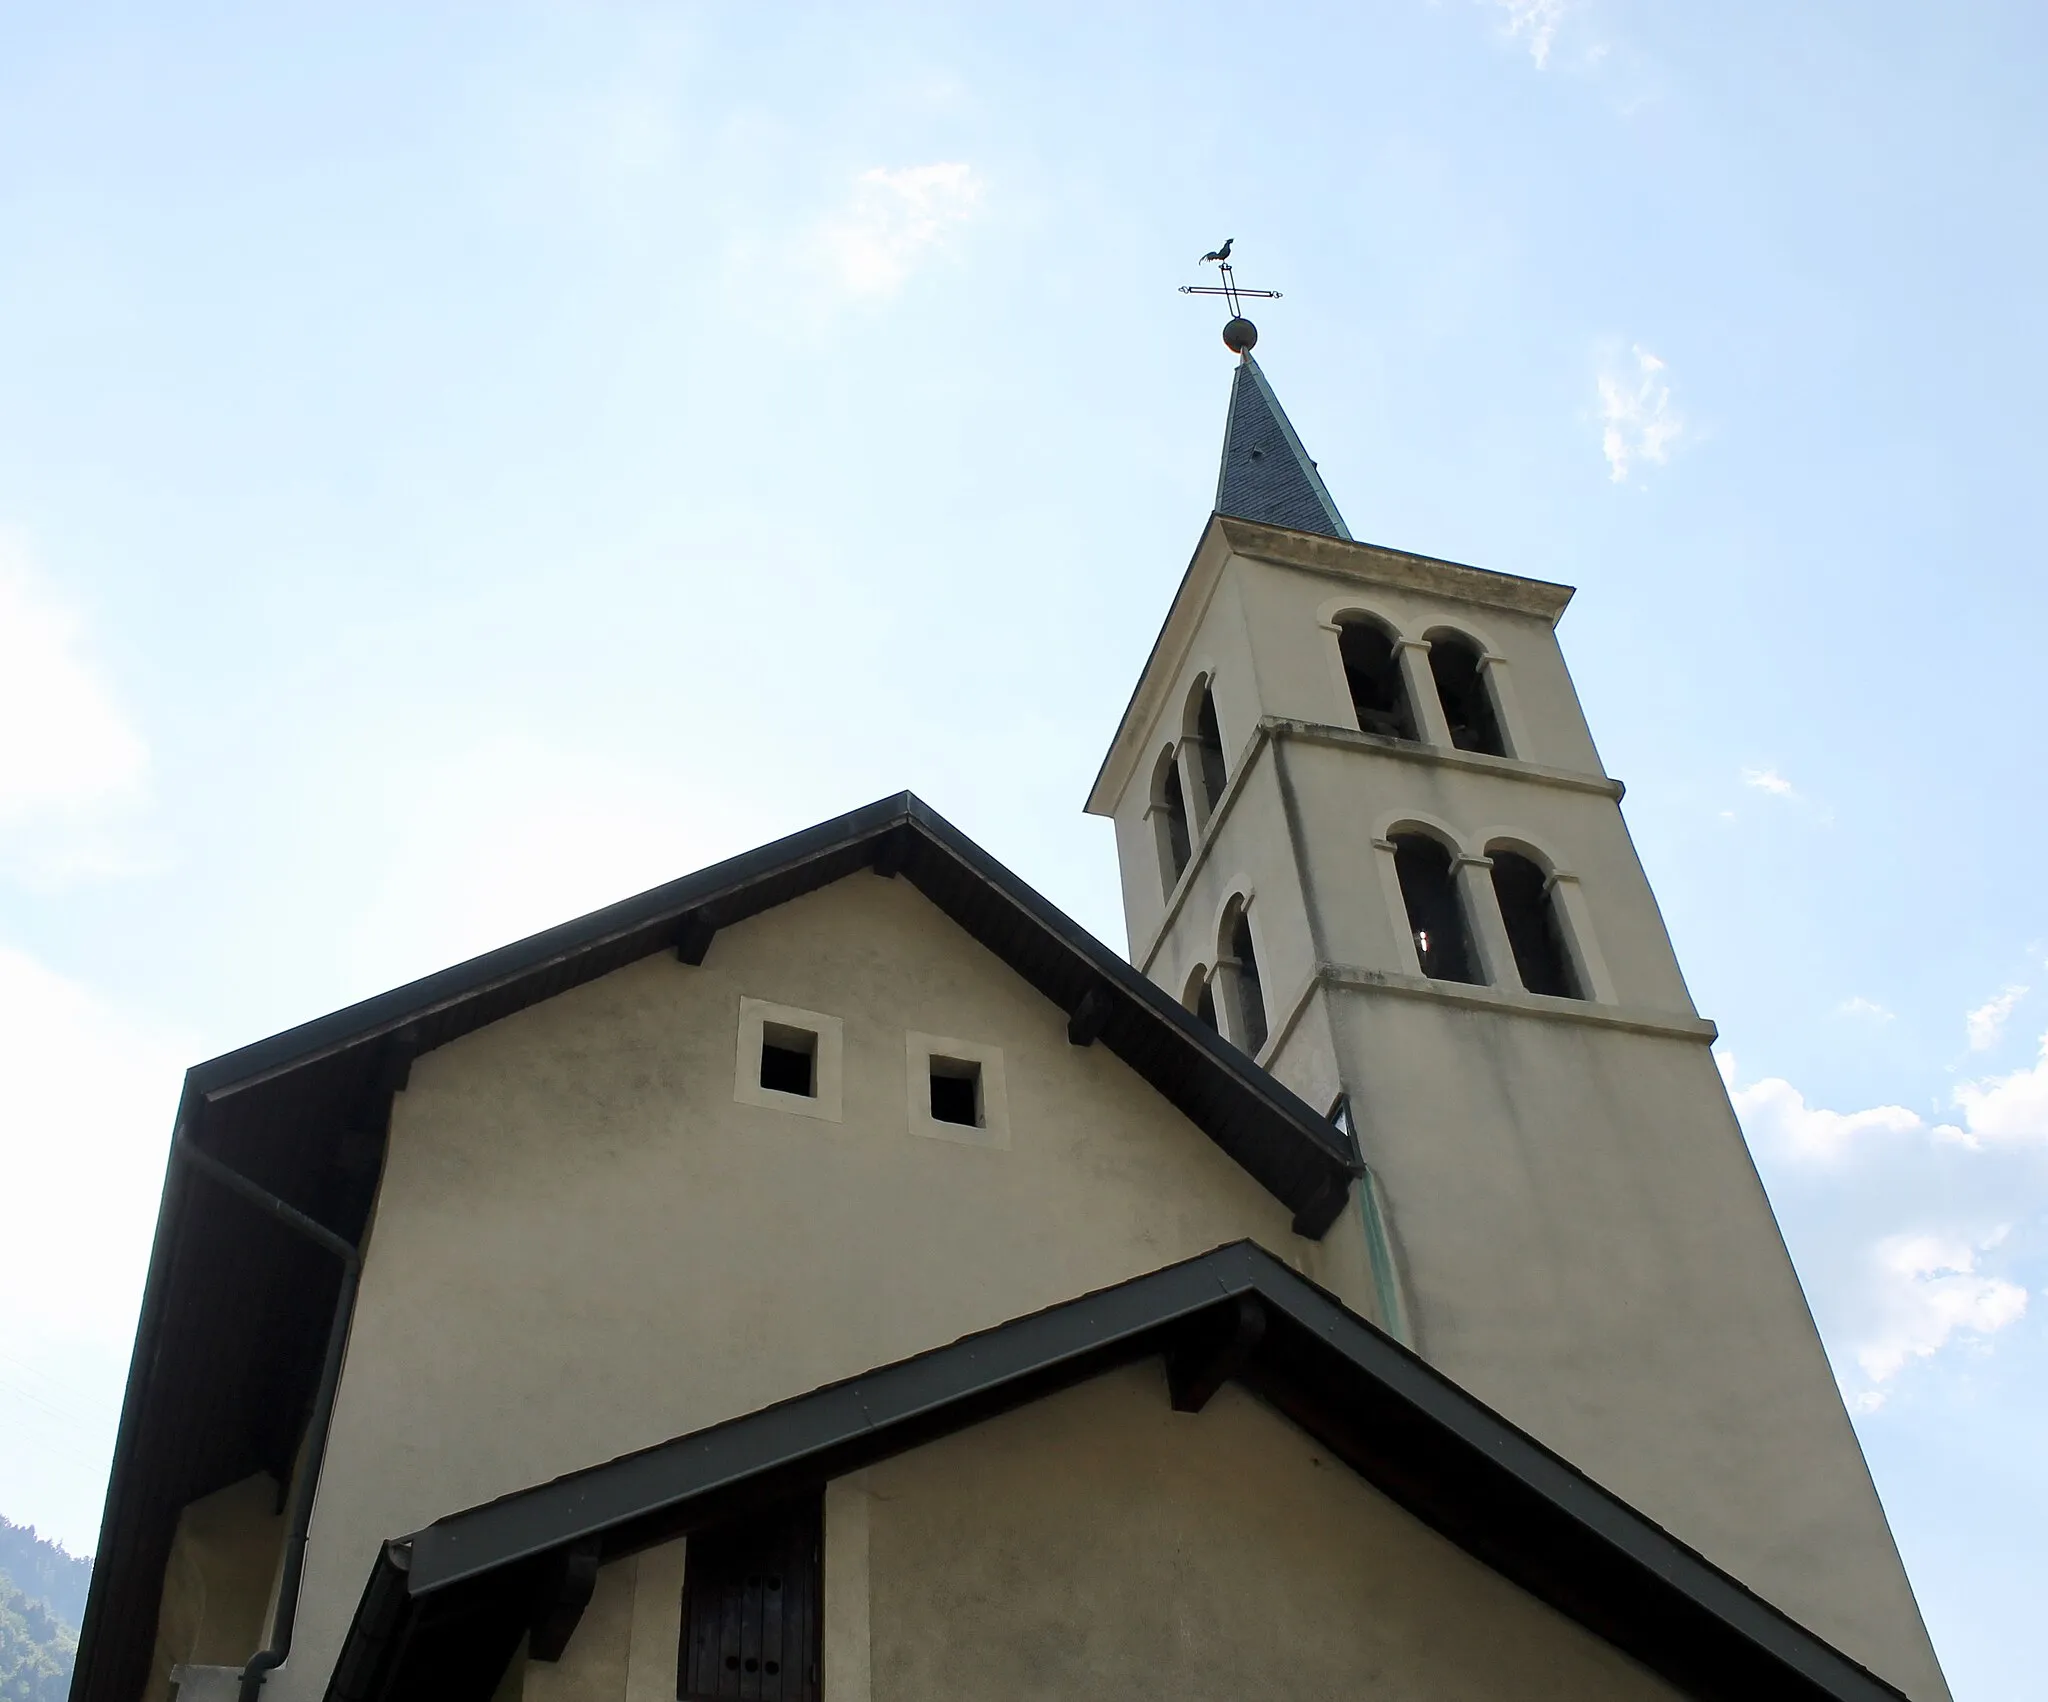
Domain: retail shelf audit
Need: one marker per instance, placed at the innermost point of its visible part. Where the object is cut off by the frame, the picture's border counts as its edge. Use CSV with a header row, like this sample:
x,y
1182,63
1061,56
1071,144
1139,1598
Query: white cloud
x,y
90,1094
1637,420
68,755
1987,1022
1534,23
1769,780
1892,1225
2010,1110
1776,1117
1928,1290
894,219
1866,1010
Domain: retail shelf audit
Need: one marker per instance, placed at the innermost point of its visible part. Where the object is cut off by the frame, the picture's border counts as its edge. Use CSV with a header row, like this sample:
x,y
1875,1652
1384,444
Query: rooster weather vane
x,y
1240,333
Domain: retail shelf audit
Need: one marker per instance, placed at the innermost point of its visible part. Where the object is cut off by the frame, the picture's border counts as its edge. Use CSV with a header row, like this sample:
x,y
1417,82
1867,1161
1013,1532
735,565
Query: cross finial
x,y
1240,333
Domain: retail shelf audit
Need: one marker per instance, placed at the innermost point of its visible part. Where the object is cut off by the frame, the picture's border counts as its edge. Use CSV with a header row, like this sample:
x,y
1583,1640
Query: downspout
x,y
286,1612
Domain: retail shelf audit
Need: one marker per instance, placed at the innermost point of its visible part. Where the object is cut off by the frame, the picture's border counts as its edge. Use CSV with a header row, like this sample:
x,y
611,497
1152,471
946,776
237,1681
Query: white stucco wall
x,y
1100,1545
1578,1231
584,1245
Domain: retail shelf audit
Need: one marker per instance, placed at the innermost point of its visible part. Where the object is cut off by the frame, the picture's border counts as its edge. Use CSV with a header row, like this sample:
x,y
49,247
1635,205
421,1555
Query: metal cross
x,y
1229,291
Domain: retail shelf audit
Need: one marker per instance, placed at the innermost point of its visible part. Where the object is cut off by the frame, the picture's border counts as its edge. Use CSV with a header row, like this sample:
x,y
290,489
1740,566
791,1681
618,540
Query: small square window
x,y
956,1091
789,1060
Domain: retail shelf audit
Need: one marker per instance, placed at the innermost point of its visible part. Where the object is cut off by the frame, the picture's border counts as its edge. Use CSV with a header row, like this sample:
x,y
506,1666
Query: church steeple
x,y
1366,834
1266,474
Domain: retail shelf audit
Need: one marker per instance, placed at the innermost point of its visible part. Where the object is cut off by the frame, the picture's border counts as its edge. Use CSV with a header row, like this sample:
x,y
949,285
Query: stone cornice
x,y
1633,1019
1375,564
1442,756
1350,563
1273,727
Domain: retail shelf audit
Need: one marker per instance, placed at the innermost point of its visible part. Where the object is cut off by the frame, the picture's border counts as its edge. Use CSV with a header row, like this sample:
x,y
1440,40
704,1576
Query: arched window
x,y
1208,738
1429,889
1461,688
1170,821
1201,999
1372,669
1250,994
1535,930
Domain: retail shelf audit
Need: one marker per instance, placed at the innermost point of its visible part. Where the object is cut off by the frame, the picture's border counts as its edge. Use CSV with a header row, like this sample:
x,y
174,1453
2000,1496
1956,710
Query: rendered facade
x,y
835,1275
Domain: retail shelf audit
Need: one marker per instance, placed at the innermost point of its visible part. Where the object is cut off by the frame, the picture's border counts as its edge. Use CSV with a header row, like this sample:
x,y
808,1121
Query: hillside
x,y
36,1649
42,1600
41,1569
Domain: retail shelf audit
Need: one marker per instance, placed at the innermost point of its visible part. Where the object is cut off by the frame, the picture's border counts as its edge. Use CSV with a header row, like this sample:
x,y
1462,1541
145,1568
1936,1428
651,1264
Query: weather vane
x,y
1240,333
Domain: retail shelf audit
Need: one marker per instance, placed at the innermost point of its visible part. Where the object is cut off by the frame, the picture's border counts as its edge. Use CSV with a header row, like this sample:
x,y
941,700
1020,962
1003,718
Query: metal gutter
x,y
284,1617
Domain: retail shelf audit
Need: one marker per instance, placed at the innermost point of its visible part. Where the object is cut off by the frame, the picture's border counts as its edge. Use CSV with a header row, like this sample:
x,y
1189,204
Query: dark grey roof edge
x,y
1280,1141
386,1012
648,1496
726,884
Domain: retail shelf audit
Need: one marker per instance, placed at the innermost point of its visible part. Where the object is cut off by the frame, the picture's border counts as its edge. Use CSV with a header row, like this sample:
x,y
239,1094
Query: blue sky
x,y
461,464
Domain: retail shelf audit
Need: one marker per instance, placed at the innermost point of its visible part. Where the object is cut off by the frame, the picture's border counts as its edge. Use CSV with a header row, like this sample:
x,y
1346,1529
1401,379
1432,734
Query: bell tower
x,y
1364,830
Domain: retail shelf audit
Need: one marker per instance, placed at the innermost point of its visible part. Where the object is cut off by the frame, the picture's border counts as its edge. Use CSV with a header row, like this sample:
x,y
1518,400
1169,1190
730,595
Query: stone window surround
x,y
1224,969
1473,872
1275,727
1432,726
918,1052
829,1066
1183,754
828,1062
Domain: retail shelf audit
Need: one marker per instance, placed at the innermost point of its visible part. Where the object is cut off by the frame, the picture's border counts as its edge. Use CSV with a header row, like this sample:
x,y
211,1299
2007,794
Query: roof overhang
x,y
236,1307
444,1608
1334,558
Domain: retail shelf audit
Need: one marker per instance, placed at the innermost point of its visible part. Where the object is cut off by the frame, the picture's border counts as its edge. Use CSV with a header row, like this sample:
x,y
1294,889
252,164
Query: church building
x,y
834,1276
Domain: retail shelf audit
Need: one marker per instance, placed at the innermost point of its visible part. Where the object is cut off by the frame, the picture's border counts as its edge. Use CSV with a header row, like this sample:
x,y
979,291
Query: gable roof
x,y
444,1608
1266,474
236,1307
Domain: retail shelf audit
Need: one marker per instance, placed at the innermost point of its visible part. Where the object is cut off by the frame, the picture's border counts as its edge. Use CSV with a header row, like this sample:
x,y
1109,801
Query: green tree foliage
x,y
36,1649
42,1601
41,1568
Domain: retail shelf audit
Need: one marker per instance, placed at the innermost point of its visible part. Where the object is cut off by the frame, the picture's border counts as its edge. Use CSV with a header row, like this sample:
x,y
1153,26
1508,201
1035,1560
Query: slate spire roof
x,y
1266,474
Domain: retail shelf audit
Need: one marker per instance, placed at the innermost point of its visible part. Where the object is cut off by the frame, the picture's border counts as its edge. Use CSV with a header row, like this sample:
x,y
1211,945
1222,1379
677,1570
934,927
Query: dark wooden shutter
x,y
753,1593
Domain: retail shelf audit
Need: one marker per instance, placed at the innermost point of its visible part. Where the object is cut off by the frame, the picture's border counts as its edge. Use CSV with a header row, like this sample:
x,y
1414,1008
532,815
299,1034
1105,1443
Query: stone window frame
x,y
828,1076
918,1052
1432,726
1561,886
1224,968
1494,680
1473,874
1167,767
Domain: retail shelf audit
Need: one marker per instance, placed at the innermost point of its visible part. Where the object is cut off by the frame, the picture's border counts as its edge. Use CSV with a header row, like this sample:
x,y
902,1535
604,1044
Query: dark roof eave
x,y
277,1101
1312,1185
1421,1439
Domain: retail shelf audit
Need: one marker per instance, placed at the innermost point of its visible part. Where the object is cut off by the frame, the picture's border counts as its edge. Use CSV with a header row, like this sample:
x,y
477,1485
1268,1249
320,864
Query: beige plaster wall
x,y
1221,651
626,1645
1580,1236
1585,1246
584,1245
1249,855
1098,1544
217,1587
1348,798
1299,677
